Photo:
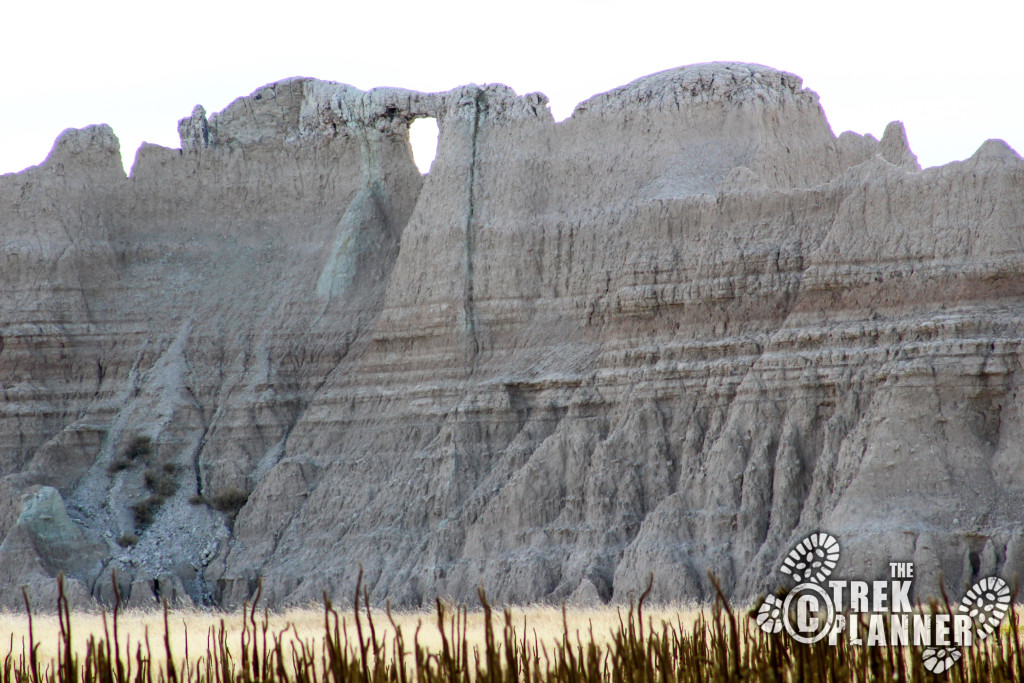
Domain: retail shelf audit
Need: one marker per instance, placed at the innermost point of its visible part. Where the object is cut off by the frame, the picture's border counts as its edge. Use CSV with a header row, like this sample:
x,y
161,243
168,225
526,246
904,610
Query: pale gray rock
x,y
669,335
141,595
43,544
895,149
194,131
855,149
585,595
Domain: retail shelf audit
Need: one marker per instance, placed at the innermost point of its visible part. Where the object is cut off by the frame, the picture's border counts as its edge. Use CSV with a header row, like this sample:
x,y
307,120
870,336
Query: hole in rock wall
x,y
423,135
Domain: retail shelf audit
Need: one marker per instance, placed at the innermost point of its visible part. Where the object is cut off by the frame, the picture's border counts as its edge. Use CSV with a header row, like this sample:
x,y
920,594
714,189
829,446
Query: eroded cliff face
x,y
670,334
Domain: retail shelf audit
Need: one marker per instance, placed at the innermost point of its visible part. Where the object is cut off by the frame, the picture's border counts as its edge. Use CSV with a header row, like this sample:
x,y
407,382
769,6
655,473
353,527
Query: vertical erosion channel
x,y
468,237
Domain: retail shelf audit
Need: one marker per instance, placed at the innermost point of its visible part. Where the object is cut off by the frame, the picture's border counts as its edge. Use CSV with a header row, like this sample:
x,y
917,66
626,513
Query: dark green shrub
x,y
119,463
127,540
140,447
160,481
229,500
145,510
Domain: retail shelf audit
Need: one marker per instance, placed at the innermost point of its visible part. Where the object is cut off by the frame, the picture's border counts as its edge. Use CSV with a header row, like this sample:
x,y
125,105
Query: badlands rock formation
x,y
671,334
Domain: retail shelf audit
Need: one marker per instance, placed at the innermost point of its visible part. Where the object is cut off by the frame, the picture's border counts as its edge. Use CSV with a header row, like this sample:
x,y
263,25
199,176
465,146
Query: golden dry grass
x,y
190,630
529,645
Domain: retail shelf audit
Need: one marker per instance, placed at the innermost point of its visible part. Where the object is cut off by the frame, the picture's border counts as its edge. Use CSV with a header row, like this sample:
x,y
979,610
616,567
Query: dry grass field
x,y
452,645
189,630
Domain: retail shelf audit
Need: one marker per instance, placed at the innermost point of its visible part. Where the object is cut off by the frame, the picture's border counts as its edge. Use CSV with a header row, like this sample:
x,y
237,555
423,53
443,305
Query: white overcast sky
x,y
950,71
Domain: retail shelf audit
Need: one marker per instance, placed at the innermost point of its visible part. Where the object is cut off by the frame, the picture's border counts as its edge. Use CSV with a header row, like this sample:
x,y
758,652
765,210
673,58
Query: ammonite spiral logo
x,y
880,611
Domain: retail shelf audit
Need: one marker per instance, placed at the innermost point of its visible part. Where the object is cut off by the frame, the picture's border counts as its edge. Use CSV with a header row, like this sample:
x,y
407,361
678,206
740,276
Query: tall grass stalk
x,y
361,646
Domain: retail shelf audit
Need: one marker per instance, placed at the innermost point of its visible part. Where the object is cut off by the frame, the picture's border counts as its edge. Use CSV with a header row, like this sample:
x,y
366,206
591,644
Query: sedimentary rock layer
x,y
669,335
